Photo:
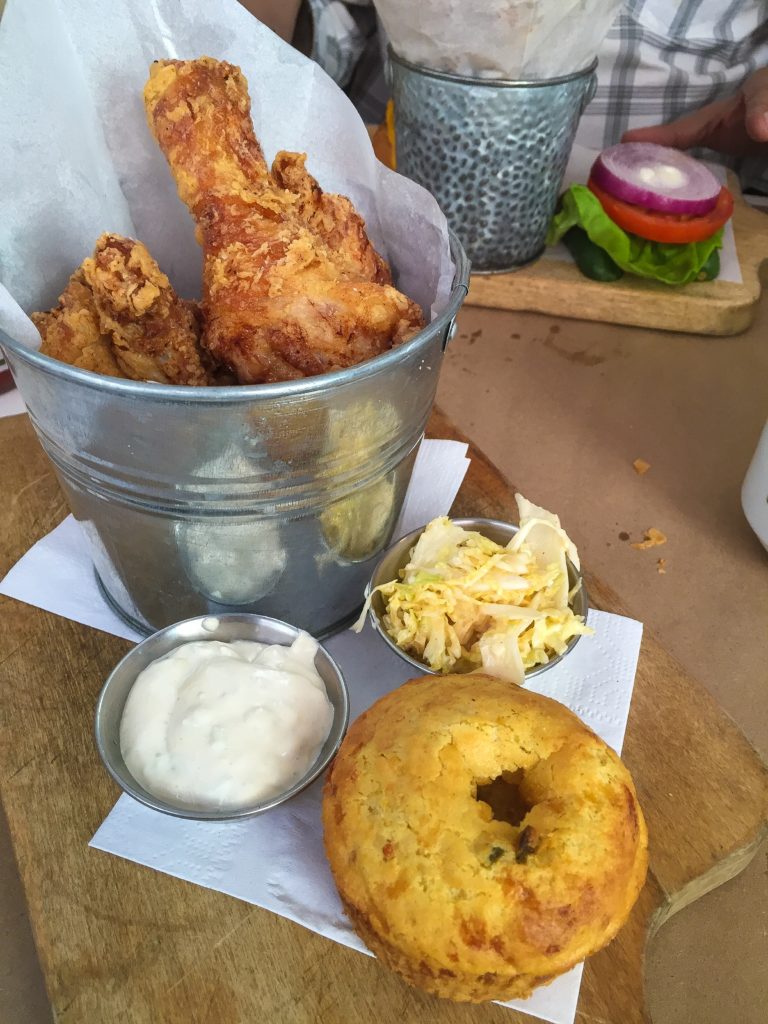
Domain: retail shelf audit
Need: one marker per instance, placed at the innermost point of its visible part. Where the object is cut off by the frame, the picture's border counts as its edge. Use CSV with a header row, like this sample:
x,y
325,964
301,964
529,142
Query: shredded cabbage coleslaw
x,y
465,603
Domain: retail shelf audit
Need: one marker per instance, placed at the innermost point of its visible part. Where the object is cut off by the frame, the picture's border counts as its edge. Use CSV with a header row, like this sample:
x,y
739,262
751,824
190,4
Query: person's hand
x,y
737,125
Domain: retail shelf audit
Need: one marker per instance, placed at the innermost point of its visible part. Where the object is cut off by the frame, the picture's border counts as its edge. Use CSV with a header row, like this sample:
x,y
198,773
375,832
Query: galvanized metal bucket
x,y
273,498
493,153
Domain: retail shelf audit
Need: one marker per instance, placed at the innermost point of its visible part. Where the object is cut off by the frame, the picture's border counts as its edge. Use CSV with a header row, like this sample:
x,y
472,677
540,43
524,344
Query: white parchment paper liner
x,y
78,158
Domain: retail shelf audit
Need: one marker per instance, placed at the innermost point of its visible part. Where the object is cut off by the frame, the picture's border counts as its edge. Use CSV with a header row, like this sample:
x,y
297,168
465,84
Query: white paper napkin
x,y
277,861
11,403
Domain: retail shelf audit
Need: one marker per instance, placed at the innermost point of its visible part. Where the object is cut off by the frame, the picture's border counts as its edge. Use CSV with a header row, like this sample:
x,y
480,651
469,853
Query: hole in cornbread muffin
x,y
503,795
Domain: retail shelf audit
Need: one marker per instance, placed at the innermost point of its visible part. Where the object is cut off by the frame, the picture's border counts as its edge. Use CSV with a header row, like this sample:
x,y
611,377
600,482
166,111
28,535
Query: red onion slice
x,y
656,177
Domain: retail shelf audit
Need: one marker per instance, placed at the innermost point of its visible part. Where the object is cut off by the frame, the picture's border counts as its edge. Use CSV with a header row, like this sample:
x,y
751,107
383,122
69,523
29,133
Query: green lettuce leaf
x,y
661,261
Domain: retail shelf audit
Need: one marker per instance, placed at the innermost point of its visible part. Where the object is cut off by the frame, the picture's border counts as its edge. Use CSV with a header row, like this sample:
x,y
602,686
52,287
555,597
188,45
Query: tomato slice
x,y
665,227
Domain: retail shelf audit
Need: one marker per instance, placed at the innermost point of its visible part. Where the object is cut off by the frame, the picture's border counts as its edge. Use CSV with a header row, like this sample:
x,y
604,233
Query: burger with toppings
x,y
646,210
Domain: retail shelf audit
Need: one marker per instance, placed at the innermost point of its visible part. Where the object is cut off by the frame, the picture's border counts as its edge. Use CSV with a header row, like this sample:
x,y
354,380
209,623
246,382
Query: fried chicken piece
x,y
155,334
71,331
120,316
333,217
291,285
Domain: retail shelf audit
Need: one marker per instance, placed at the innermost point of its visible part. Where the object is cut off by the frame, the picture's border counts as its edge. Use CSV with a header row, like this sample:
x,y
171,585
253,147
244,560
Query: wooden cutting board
x,y
119,942
705,307
557,287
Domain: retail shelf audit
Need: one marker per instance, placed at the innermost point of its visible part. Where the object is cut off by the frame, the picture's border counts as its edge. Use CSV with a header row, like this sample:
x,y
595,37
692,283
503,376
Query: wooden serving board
x,y
557,287
122,943
705,307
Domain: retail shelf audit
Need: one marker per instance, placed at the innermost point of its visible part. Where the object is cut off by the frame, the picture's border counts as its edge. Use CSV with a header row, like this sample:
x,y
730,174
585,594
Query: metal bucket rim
x,y
242,393
501,83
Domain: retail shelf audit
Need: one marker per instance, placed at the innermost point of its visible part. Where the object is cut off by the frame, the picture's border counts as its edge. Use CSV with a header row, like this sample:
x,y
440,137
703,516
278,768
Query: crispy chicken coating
x,y
120,316
71,331
333,217
291,284
155,334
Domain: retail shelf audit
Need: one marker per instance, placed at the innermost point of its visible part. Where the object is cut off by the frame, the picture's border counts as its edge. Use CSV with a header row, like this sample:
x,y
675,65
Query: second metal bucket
x,y
272,498
493,153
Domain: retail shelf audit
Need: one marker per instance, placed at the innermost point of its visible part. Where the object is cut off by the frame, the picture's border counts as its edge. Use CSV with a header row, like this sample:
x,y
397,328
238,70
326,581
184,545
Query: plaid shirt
x,y
660,60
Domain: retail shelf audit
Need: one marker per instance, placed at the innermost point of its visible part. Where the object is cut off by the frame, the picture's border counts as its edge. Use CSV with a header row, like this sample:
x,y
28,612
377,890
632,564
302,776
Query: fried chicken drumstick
x,y
71,331
120,316
292,286
154,333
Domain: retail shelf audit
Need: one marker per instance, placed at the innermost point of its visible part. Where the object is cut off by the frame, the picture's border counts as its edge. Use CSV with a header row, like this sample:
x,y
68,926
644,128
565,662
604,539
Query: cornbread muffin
x,y
482,838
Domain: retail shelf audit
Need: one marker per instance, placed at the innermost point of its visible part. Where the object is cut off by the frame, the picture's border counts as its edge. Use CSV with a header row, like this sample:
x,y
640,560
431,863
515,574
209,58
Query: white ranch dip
x,y
223,725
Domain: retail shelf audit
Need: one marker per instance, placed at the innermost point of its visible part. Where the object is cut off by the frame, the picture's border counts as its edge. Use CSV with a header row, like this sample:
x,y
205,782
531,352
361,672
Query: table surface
x,y
120,942
563,407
